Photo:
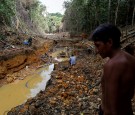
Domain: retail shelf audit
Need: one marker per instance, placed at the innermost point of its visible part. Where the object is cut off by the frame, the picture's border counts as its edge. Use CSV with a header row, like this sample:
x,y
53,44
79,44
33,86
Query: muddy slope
x,y
12,60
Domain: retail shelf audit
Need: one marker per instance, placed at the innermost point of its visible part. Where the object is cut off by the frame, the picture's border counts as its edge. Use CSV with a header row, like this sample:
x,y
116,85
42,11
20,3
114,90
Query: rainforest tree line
x,y
80,15
85,15
28,13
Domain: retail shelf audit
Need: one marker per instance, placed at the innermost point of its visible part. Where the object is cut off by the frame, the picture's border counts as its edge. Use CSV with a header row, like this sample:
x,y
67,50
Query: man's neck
x,y
114,52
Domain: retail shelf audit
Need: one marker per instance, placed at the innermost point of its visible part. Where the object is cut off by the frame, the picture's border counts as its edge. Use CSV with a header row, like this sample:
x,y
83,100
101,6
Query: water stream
x,y
17,93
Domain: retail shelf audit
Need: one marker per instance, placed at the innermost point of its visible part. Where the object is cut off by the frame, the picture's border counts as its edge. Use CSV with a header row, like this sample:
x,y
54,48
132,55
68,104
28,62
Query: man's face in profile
x,y
101,48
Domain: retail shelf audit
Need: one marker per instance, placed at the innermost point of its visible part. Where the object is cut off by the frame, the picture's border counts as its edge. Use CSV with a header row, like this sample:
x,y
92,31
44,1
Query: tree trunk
x,y
133,15
116,12
127,16
109,10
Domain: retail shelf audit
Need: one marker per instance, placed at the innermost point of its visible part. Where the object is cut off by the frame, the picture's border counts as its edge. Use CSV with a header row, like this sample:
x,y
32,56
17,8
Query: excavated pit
x,y
14,61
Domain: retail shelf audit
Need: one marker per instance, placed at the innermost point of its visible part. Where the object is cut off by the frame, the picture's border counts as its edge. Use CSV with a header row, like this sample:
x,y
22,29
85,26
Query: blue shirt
x,y
72,60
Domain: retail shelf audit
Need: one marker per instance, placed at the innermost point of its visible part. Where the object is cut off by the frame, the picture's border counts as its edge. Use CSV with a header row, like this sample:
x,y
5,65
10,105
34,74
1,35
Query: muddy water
x,y
18,92
57,52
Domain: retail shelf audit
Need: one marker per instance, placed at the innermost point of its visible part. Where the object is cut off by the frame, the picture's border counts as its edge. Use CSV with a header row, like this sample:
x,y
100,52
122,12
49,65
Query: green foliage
x,y
54,21
56,14
66,4
49,22
2,37
7,11
57,17
85,15
37,14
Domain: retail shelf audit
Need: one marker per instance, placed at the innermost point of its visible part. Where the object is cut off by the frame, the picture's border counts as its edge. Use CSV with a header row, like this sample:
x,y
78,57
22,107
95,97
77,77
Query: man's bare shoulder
x,y
120,62
129,59
114,63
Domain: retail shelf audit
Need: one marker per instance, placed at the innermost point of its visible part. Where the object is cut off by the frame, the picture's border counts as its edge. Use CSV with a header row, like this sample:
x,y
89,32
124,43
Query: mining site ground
x,y
72,90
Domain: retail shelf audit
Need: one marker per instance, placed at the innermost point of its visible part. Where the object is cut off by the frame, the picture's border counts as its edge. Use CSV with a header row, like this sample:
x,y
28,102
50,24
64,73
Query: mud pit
x,y
19,91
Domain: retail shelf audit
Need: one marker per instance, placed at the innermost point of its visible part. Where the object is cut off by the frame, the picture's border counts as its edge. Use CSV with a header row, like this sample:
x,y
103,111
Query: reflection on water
x,y
18,92
61,59
45,74
56,53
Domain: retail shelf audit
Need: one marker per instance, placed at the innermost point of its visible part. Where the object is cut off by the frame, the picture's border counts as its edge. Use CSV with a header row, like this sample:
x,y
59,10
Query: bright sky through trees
x,y
54,6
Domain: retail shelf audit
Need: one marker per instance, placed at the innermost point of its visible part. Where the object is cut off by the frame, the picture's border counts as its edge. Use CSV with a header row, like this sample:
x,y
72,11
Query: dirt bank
x,y
15,58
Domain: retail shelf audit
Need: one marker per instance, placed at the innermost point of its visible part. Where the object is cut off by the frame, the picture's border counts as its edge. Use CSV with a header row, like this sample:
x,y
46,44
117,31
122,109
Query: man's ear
x,y
110,42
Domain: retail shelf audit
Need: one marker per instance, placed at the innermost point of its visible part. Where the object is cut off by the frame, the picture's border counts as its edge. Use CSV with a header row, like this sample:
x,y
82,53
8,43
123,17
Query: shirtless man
x,y
118,81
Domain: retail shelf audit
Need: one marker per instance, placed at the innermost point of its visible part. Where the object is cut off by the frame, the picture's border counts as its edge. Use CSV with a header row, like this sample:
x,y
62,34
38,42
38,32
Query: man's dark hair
x,y
105,32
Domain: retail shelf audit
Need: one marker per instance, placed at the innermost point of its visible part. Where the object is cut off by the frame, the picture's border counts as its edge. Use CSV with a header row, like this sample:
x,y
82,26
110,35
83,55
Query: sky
x,y
54,6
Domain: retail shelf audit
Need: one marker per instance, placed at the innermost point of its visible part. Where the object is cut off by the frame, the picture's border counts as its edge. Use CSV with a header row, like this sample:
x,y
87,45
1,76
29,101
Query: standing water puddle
x,y
17,93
